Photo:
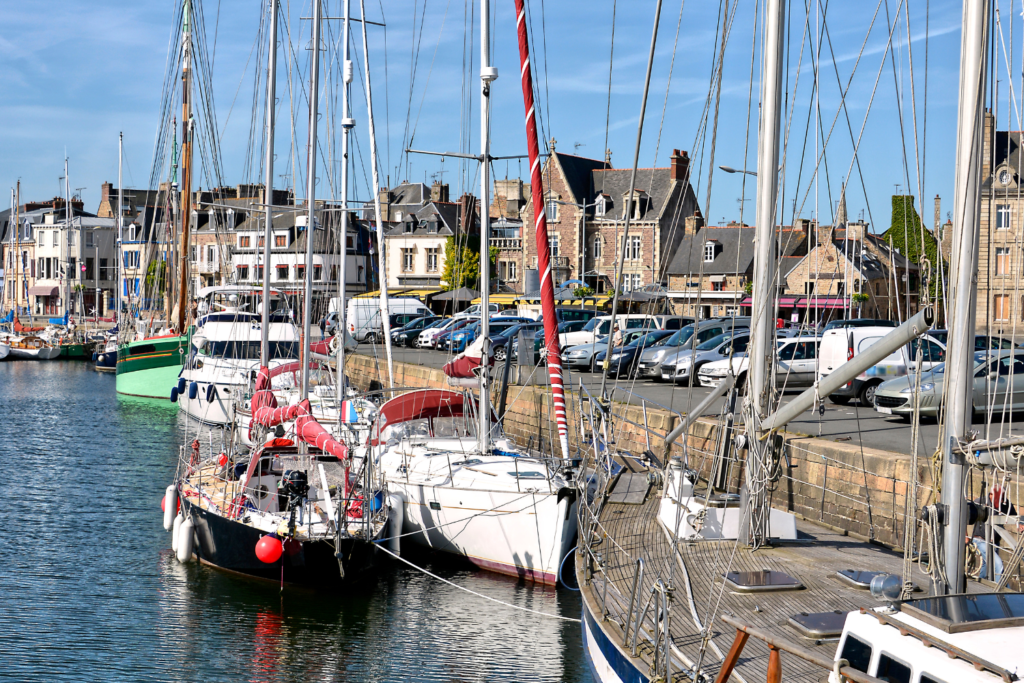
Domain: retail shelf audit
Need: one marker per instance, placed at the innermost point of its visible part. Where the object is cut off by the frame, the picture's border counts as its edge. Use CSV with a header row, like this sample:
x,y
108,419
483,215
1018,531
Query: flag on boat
x,y
348,412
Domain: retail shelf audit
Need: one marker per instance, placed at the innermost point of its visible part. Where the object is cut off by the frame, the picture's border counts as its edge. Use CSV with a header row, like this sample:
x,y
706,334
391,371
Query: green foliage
x,y
749,287
581,292
860,298
461,262
156,278
907,234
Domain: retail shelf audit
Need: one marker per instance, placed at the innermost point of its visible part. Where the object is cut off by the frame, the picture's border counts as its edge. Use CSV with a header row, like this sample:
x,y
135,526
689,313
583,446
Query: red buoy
x,y
292,547
269,549
163,503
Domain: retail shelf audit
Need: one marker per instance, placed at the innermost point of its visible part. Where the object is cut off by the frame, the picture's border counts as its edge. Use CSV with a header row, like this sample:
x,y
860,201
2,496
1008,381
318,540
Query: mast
x,y
547,290
314,96
120,234
186,170
65,247
761,350
381,255
17,256
966,226
487,75
268,183
347,123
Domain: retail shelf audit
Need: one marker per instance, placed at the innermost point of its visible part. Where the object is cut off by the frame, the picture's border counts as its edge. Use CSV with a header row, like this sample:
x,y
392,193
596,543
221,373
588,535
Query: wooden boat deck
x,y
695,575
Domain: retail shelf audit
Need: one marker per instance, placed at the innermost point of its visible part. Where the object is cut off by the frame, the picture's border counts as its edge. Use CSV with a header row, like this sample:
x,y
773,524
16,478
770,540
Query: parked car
x,y
584,356
510,338
539,349
858,322
441,340
795,366
623,358
406,336
460,339
364,320
428,337
601,326
474,311
998,383
688,362
649,363
981,341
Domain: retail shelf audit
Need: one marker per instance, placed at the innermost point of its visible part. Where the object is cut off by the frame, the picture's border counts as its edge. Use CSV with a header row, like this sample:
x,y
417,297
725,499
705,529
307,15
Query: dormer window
x,y
709,251
601,205
407,227
432,226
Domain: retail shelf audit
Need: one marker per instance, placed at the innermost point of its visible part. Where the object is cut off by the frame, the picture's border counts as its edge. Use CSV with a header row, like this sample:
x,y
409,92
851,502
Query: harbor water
x,y
91,591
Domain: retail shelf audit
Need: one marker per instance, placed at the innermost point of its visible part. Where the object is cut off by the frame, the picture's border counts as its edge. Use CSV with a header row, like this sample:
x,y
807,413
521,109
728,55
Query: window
x,y
709,252
318,272
633,247
552,210
600,208
857,653
243,273
71,238
553,242
300,272
1002,261
282,272
72,273
193,253
432,226
809,288
104,275
132,231
507,270
717,286
244,241
280,241
262,241
334,273
90,238
407,260
90,268
1002,216
1001,307
631,281
891,670
259,273
56,238
432,254
598,243
925,678
211,254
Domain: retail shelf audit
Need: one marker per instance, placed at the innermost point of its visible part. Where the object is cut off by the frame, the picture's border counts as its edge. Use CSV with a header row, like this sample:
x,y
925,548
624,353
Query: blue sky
x,y
73,74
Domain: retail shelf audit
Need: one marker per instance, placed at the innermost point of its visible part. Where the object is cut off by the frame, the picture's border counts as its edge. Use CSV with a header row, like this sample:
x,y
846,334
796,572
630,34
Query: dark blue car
x,y
623,358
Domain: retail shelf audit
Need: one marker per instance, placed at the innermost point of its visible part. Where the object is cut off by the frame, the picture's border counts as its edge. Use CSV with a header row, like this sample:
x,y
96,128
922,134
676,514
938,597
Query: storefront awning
x,y
43,290
418,292
784,301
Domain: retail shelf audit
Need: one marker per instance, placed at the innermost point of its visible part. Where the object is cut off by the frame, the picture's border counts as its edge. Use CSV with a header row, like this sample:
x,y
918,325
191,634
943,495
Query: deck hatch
x,y
761,581
819,624
857,578
959,613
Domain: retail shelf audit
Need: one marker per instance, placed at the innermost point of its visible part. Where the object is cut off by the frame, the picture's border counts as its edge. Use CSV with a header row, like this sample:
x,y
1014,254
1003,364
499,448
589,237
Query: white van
x,y
842,344
601,326
363,318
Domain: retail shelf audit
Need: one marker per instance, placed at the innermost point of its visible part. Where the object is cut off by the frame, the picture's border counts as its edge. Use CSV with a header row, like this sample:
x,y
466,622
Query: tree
x,y
581,292
462,262
909,236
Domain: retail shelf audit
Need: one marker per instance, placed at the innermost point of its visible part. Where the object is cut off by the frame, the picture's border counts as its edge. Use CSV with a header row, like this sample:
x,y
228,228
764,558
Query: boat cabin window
x,y
857,653
447,427
892,670
925,678
248,350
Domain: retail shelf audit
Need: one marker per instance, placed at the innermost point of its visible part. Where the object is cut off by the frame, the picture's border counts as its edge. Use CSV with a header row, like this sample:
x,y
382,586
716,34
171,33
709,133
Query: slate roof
x,y
1003,153
655,184
447,214
578,173
734,251
35,217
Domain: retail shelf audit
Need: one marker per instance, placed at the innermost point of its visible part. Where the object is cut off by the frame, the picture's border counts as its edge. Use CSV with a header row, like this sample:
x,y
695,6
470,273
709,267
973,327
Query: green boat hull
x,y
74,351
150,367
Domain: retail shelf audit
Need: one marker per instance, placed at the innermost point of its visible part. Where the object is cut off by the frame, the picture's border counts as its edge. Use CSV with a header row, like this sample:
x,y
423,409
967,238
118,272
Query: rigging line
x,y
414,63
668,87
1006,60
608,108
426,86
718,99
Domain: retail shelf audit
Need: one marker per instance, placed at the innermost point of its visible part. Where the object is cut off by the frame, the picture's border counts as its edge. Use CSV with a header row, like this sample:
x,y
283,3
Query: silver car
x,y
687,363
649,363
581,357
998,384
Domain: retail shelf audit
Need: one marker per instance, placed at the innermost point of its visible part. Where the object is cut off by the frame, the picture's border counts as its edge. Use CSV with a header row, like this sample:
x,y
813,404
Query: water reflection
x,y
92,591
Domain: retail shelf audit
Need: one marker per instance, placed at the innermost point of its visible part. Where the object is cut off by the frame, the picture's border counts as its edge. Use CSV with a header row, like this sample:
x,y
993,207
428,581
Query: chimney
x,y
693,223
439,192
937,220
105,191
467,214
680,165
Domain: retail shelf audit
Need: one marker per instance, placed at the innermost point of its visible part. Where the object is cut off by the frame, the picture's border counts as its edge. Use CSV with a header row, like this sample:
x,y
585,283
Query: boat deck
x,y
630,531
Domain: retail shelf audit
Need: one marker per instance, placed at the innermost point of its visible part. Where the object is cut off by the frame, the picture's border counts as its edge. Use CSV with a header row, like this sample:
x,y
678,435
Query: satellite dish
x,y
886,587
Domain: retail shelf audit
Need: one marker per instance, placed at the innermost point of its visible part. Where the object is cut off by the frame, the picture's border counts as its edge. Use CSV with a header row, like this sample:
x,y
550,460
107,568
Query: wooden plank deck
x,y
628,532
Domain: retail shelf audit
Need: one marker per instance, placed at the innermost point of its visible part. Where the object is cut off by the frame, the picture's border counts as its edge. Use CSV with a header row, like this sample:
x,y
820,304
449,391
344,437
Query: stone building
x,y
586,201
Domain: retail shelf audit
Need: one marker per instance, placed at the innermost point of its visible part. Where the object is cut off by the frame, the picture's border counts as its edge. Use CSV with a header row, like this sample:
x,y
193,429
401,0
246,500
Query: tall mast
x,y
186,169
65,247
268,183
120,231
487,75
966,226
314,96
381,253
547,290
347,123
17,256
761,350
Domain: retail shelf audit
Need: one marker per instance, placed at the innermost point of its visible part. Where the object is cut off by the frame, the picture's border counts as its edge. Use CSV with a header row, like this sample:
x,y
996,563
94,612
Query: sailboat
x,y
297,509
455,481
667,580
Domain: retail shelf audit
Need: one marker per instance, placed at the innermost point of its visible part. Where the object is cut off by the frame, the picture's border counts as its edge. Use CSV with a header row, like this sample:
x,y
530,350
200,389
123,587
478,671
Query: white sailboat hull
x,y
4,351
519,534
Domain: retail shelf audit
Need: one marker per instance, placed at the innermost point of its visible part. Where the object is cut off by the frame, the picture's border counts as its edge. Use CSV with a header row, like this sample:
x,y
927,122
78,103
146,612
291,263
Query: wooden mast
x,y
186,171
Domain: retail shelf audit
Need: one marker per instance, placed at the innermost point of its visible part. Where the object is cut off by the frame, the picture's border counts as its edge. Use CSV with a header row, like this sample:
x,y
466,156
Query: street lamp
x,y
729,169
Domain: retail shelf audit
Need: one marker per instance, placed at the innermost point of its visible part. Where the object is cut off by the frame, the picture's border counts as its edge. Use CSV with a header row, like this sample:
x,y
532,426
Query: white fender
x,y
185,541
170,506
176,531
396,520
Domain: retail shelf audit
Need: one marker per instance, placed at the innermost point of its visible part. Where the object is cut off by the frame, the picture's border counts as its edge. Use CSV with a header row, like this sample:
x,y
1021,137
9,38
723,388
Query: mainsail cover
x,y
467,363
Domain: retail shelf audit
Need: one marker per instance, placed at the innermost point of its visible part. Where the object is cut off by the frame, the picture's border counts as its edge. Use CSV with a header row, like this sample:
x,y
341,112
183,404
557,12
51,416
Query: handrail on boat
x,y
638,579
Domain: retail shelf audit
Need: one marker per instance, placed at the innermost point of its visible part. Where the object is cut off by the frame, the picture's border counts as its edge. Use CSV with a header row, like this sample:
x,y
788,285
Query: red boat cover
x,y
466,363
18,327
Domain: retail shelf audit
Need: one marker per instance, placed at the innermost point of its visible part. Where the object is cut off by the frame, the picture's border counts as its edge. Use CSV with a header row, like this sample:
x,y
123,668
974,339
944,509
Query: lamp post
x,y
729,169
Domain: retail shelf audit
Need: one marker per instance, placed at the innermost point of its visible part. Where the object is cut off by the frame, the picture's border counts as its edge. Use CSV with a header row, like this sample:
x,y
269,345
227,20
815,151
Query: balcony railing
x,y
206,267
507,243
559,261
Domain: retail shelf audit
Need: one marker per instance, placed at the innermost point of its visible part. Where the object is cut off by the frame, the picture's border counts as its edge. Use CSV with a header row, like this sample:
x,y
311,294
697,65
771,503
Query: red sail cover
x,y
466,363
313,433
547,289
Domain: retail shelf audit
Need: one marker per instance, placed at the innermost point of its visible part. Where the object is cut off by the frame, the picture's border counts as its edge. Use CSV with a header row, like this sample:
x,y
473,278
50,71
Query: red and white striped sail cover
x,y
547,288
465,364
